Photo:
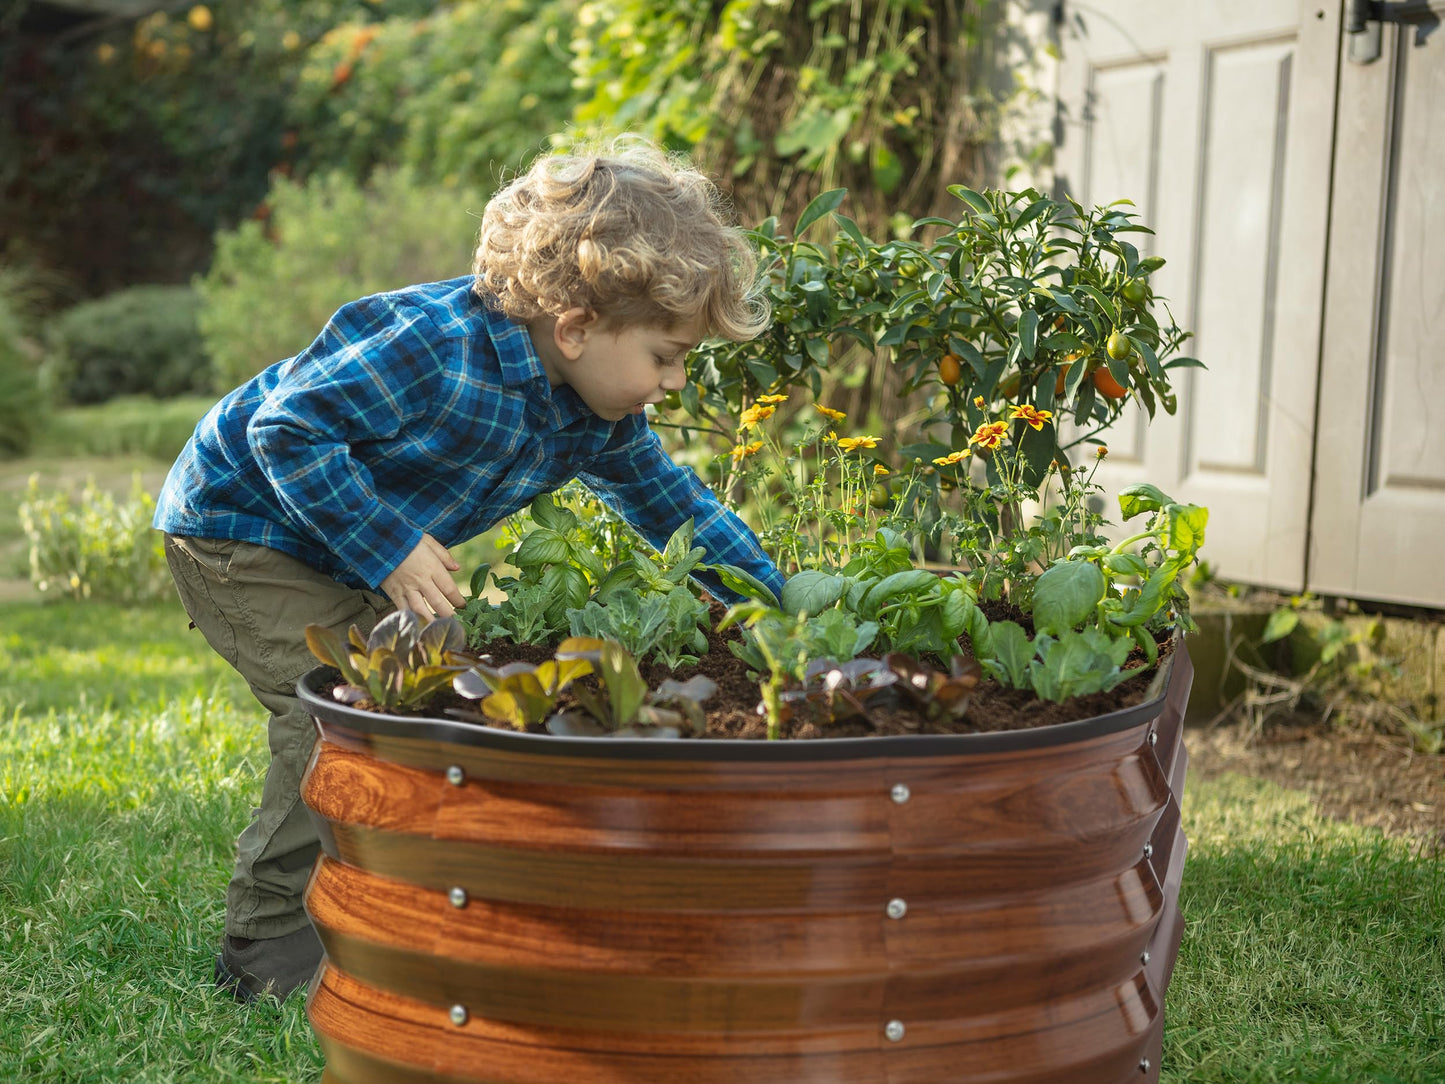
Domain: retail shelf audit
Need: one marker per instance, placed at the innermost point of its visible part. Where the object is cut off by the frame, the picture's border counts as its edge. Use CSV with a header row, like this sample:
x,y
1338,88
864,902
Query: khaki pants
x,y
253,604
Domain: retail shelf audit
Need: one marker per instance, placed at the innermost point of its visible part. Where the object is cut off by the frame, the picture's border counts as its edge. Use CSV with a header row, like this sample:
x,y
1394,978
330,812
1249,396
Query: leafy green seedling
x,y
519,693
400,665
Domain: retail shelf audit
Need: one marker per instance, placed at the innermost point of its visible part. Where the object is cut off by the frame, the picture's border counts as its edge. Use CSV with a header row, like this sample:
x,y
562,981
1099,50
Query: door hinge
x,y
1364,18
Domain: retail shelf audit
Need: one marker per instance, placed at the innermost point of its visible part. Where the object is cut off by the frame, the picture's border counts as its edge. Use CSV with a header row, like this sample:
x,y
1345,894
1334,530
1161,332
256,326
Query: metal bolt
x,y
893,1030
455,775
1153,737
1148,850
458,896
1144,957
458,1014
1143,1065
901,793
897,908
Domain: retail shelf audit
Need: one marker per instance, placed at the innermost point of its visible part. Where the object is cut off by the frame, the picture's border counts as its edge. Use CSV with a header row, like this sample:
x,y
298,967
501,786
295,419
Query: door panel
x,y
1216,119
1380,489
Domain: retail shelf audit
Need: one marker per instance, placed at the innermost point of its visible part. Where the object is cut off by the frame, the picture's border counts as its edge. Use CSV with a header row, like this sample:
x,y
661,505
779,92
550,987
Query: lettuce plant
x,y
401,665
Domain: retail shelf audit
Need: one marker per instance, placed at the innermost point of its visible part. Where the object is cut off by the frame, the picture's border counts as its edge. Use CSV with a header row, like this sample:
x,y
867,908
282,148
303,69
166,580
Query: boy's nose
x,y
674,378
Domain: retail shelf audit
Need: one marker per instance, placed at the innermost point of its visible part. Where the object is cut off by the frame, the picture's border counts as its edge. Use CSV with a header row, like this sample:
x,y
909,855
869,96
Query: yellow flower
x,y
830,414
105,52
879,469
755,414
852,444
989,434
954,457
772,398
290,41
1101,451
831,435
200,18
742,451
1035,418
978,401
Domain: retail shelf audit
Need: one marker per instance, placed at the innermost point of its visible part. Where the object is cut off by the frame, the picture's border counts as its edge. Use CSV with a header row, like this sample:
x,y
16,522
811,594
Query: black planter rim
x,y
458,732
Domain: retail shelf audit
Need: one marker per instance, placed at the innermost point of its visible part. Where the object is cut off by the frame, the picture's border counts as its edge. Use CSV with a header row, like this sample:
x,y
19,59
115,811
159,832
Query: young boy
x,y
328,488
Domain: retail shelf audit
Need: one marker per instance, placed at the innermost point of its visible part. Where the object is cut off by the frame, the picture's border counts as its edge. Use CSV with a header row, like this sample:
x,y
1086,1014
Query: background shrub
x,y
126,426
23,401
96,547
140,341
272,288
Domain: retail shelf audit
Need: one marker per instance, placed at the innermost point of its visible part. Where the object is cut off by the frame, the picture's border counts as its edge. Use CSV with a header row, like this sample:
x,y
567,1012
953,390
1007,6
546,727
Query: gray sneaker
x,y
274,965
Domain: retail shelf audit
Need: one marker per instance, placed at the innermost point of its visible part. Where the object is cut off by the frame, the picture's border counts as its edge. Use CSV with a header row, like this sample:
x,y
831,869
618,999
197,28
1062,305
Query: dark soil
x,y
734,710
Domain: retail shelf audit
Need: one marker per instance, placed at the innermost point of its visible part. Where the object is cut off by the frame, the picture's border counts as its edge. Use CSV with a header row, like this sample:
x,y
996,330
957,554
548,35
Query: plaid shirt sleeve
x,y
369,374
641,482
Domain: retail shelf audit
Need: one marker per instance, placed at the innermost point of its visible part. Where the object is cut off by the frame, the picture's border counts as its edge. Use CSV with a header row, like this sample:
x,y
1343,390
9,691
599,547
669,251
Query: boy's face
x,y
617,372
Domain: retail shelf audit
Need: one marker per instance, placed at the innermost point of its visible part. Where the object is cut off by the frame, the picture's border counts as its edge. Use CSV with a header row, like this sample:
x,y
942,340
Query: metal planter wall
x,y
510,908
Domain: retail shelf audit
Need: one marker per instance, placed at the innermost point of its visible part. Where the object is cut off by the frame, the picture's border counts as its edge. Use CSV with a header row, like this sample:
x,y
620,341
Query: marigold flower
x,y
829,413
852,444
954,457
880,470
755,414
1035,418
989,435
772,398
1101,451
978,401
742,451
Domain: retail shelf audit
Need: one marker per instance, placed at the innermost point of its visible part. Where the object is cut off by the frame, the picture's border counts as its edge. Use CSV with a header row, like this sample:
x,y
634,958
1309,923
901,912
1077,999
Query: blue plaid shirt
x,y
415,411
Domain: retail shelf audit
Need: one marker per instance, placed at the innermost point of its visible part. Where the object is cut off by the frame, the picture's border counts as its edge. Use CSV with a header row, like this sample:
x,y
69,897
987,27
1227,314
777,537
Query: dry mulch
x,y
1354,773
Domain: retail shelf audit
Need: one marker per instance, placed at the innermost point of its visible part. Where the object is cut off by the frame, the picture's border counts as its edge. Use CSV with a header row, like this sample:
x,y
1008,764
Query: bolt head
x,y
1148,850
458,1015
1143,1065
894,1030
1153,737
900,793
458,896
455,775
1144,957
897,908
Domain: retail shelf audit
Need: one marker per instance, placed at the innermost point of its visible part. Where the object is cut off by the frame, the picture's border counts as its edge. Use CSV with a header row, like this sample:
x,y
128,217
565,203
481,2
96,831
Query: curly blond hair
x,y
627,232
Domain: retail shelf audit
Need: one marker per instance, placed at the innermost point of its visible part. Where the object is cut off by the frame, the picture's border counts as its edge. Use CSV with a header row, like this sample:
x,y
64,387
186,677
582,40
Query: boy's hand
x,y
423,582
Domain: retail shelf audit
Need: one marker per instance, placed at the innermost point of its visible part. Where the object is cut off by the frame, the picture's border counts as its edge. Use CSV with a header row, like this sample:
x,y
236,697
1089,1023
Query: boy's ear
x,y
571,330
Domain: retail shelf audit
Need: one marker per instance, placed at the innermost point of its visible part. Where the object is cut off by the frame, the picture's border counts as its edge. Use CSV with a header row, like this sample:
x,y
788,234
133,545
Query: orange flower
x,y
1035,418
852,444
955,457
742,451
879,469
755,414
978,401
989,435
772,398
830,414
1101,451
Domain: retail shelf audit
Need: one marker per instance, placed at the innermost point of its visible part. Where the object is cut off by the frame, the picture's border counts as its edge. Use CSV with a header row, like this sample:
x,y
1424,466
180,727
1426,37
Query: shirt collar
x,y
547,407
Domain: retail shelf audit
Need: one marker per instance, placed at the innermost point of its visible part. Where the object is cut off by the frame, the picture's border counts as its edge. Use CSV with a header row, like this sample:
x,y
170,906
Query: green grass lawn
x,y
129,758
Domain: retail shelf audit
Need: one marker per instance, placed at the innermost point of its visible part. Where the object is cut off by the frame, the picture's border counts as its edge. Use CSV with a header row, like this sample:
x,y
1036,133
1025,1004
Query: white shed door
x,y
1379,520
1216,119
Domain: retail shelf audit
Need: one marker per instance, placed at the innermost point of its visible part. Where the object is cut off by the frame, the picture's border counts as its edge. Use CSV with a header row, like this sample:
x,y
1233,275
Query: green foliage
x,y
96,547
326,243
667,627
130,140
790,98
400,666
557,567
520,694
459,96
141,341
623,705
129,425
24,404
